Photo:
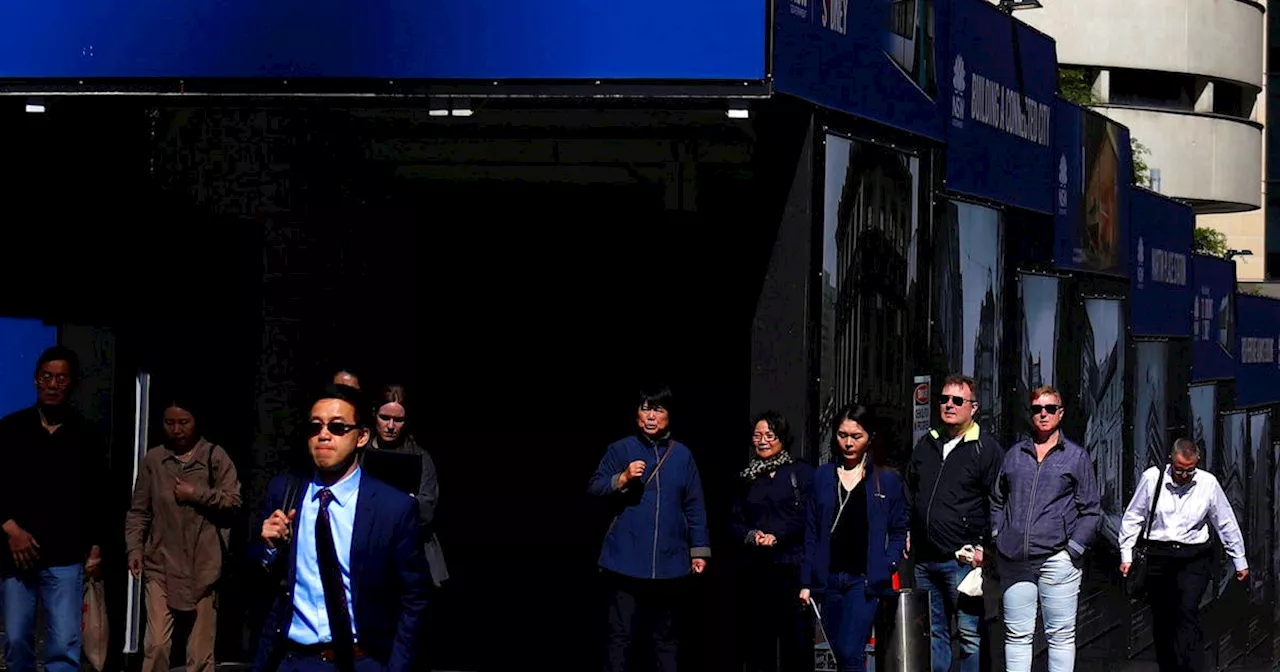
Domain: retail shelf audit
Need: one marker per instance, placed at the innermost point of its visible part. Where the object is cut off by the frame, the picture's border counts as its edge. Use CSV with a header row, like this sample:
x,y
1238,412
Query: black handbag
x,y
1135,584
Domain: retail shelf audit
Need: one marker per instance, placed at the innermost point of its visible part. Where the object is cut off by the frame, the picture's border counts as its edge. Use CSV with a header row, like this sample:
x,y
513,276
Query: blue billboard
x,y
1161,233
1094,176
999,103
876,59
21,342
394,39
1213,318
1257,366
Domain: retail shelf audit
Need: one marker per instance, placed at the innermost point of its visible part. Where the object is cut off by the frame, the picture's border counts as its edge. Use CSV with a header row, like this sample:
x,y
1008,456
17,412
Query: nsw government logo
x,y
1139,268
959,82
1062,184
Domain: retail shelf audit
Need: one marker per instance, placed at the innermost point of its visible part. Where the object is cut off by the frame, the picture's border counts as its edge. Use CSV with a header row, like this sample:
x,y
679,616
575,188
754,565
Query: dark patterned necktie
x,y
335,595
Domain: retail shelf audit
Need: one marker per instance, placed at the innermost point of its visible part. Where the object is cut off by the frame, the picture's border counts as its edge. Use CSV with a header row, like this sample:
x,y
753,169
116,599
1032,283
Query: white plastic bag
x,y
971,584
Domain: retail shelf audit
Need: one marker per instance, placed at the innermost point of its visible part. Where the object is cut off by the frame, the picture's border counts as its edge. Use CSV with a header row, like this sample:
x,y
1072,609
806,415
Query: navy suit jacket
x,y
388,586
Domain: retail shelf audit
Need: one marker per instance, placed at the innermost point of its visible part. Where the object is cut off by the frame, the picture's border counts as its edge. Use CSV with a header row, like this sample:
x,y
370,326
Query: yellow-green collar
x,y
970,434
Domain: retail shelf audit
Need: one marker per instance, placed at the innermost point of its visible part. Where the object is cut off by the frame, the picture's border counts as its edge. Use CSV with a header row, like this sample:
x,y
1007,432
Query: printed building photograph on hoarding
x,y
1150,408
1275,526
1204,432
1100,244
1204,414
1258,531
1228,466
968,302
910,40
1102,392
1039,307
869,247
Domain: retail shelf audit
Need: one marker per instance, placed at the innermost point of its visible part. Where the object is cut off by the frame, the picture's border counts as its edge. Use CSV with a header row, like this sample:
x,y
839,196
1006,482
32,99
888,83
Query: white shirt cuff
x,y
1240,563
1126,555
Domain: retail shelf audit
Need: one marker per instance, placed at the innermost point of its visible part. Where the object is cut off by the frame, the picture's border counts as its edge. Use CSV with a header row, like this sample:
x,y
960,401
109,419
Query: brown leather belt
x,y
324,651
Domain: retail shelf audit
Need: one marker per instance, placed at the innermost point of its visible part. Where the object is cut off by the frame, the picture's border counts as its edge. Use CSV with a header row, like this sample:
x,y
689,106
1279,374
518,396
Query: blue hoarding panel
x,y
999,101
1257,367
876,59
1161,233
1068,124
1213,318
21,342
392,39
1095,171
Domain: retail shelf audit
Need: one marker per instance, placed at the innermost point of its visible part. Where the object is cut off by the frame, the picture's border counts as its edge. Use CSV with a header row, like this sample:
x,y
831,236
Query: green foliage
x,y
1076,85
1209,241
1141,171
1251,290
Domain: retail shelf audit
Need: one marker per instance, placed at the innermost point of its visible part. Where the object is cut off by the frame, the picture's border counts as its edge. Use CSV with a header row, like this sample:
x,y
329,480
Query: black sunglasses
x,y
1048,408
955,401
336,428
1184,472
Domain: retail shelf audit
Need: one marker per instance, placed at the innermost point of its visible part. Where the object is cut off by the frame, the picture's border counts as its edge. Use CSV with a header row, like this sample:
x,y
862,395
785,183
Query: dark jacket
x,y
659,520
389,582
54,486
776,506
950,501
886,528
1040,508
428,496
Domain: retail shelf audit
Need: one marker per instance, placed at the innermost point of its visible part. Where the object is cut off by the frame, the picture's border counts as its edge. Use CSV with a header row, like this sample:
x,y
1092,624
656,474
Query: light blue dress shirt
x,y
310,619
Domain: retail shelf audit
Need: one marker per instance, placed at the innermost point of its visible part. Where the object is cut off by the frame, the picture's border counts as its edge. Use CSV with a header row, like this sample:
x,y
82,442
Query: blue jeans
x,y
62,589
942,579
848,614
1056,591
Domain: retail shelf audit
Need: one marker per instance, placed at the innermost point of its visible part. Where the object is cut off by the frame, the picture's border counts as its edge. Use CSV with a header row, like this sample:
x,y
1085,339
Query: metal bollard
x,y
903,633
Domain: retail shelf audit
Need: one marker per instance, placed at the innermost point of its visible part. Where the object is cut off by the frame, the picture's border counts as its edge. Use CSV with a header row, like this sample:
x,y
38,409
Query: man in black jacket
x,y
949,481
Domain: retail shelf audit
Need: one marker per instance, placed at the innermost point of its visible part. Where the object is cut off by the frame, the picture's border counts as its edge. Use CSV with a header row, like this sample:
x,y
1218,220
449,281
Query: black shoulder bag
x,y
1135,584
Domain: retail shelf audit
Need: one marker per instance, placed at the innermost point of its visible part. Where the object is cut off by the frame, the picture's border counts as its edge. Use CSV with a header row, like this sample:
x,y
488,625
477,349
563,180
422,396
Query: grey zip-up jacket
x,y
1041,508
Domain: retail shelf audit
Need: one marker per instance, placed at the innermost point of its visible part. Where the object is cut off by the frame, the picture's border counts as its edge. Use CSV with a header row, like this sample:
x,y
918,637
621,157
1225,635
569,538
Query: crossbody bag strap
x,y
1155,499
795,487
671,444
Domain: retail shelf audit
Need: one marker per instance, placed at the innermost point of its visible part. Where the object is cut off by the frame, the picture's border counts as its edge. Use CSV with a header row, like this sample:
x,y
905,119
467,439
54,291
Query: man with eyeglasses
x,y
950,479
51,505
1180,554
1044,516
354,579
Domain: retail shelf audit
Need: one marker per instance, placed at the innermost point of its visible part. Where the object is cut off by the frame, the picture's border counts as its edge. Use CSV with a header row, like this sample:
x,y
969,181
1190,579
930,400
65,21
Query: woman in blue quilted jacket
x,y
658,535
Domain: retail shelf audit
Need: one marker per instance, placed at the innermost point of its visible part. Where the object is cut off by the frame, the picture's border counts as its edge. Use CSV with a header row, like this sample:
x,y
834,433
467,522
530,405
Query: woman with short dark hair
x,y
768,518
176,533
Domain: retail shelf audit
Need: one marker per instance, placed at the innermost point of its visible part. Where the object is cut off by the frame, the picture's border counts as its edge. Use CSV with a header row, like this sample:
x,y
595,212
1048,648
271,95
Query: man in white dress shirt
x,y
1180,559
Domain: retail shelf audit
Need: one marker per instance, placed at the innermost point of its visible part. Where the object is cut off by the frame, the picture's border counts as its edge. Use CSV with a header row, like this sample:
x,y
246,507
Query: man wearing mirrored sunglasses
x,y
1180,553
1044,515
949,482
354,586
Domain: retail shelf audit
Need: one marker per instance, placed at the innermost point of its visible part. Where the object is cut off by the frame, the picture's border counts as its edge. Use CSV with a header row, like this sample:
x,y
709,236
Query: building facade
x,y
1187,78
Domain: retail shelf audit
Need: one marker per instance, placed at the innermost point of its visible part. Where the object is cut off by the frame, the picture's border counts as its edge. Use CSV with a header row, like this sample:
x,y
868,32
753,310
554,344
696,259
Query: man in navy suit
x,y
353,578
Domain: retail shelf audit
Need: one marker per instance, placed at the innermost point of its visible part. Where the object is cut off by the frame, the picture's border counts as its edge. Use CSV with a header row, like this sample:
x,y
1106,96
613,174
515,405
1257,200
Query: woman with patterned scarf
x,y
769,520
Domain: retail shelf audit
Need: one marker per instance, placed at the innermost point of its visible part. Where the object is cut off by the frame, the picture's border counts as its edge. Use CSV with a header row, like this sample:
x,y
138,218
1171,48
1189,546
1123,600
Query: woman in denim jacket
x,y
855,535
1045,512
